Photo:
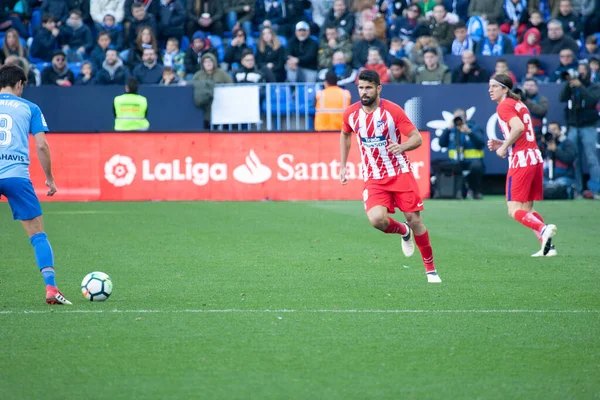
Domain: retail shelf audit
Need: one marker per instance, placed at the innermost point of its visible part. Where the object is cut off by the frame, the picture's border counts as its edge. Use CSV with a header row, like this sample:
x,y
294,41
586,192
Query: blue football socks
x,y
44,257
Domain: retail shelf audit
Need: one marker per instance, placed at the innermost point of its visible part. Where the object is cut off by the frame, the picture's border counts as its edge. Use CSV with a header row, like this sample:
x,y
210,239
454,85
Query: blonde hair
x,y
262,44
6,50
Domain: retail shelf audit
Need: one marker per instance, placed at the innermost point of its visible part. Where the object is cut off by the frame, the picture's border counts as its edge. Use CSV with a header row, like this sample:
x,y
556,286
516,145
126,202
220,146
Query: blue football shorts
x,y
21,198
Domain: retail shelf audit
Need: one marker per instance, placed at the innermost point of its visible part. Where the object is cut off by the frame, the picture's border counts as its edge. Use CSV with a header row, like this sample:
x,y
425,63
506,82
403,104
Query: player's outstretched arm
x,y
516,130
414,140
345,143
43,152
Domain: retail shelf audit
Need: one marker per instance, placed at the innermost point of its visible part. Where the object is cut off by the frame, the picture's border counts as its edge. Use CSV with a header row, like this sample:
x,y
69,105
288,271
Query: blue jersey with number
x,y
18,118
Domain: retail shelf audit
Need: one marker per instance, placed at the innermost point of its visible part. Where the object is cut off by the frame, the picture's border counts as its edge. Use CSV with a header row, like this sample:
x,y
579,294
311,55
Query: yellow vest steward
x,y
331,103
130,111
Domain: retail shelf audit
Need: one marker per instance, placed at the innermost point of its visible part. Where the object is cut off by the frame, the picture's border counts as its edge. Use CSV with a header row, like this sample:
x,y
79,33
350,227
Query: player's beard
x,y
367,101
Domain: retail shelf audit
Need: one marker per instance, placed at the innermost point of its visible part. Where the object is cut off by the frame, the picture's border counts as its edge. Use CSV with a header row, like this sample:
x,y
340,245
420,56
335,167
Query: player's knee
x,y
413,219
378,221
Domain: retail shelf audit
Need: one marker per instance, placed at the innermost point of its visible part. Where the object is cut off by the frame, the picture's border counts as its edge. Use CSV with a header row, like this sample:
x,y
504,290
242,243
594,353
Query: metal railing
x,y
283,107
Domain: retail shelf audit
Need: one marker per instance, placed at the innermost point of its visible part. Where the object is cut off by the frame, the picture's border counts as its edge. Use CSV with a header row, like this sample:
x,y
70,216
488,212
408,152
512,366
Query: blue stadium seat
x,y
306,98
282,102
217,42
282,40
185,43
315,38
41,65
75,67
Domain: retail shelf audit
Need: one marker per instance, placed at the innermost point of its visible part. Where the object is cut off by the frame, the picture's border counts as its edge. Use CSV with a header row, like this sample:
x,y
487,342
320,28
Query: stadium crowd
x,y
83,42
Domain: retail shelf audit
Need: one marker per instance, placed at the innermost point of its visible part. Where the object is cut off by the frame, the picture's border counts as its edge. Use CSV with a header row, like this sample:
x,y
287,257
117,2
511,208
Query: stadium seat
x,y
282,40
315,38
75,67
305,97
185,43
217,42
281,98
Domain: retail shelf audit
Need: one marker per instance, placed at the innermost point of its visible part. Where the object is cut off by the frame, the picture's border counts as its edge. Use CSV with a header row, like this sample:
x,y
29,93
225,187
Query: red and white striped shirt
x,y
524,152
374,132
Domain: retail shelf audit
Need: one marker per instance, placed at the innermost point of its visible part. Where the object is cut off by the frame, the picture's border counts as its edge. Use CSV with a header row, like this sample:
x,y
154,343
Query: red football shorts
x,y
525,184
399,191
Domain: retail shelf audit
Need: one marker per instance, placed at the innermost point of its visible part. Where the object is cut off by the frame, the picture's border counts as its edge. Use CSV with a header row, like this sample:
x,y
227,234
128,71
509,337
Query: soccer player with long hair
x,y
524,181
384,134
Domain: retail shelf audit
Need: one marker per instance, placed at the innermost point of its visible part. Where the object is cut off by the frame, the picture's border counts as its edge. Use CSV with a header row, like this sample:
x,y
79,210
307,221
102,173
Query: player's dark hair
x,y
368,75
507,82
10,75
132,85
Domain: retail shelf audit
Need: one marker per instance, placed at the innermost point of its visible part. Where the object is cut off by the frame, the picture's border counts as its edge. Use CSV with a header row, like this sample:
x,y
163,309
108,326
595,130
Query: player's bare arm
x,y
516,130
494,144
414,140
43,152
345,143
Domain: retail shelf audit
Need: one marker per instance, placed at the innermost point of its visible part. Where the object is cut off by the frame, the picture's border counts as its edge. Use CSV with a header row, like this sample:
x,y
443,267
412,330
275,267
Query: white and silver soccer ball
x,y
96,286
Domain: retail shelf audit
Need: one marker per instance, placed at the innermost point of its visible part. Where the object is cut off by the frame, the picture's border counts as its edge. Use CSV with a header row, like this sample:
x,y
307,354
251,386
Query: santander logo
x,y
253,171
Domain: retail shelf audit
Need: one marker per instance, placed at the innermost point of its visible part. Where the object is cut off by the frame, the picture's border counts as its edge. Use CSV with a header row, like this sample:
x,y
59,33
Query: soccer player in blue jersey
x,y
19,117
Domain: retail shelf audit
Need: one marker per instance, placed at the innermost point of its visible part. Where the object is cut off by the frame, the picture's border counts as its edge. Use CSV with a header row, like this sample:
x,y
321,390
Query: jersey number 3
x,y
6,124
529,133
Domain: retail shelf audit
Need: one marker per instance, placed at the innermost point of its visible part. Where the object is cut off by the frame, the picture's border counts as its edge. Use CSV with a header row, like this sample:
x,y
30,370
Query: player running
x,y
389,181
524,181
19,117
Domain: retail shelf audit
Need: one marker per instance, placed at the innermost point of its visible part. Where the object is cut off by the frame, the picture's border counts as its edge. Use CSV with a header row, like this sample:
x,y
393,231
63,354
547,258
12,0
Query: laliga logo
x,y
119,170
253,171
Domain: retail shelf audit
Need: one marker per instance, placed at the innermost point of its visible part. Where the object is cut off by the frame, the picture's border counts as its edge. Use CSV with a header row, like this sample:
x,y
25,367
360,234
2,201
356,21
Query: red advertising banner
x,y
207,166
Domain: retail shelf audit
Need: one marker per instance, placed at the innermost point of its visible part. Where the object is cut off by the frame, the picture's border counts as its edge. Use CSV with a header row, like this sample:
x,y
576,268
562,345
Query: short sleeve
x,y
403,124
38,122
346,124
506,112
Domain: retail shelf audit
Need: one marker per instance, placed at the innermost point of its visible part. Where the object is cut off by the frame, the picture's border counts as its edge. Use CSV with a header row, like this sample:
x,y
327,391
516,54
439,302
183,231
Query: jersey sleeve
x,y
38,122
506,112
403,124
346,124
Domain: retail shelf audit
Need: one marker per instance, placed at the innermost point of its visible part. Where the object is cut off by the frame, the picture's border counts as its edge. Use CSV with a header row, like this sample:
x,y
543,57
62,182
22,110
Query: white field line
x,y
282,311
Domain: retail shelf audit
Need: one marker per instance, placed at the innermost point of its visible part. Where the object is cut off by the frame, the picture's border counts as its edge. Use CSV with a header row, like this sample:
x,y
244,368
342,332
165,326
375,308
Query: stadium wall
x,y
206,166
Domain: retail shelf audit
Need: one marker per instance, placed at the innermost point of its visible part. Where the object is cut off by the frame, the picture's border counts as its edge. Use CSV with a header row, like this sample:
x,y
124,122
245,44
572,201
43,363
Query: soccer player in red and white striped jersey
x,y
524,181
384,133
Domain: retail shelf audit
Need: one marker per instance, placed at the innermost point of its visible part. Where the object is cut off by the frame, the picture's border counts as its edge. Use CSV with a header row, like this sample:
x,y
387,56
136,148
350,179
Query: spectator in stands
x,y
440,29
397,50
45,41
32,79
465,142
548,9
269,14
432,73
86,77
171,20
591,47
58,73
145,40
319,10
418,50
557,40
567,65
302,51
170,78
375,63
535,71
131,109
271,54
141,19
458,7
149,72
98,55
12,45
82,6
360,50
205,15
233,54
57,8
76,37
571,23
99,9
536,21
490,10
400,71
341,18
150,6
537,105
294,13
113,72
470,71
203,83
175,58
342,69
330,43
330,105
240,14
461,41
563,154
115,31
366,12
409,29
502,68
193,55
515,18
248,73
530,45
494,43
594,69
581,97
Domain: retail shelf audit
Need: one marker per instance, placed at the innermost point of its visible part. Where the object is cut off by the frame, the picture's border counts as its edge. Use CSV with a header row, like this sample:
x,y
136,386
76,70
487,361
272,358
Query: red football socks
x,y
424,246
396,227
538,234
529,220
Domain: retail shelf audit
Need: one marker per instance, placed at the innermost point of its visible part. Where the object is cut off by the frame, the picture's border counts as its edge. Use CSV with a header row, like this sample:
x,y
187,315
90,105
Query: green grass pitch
x,y
301,300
